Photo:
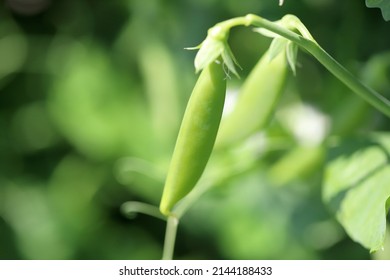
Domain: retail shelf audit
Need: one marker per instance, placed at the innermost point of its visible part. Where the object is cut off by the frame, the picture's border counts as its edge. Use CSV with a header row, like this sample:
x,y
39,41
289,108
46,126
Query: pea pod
x,y
196,137
257,100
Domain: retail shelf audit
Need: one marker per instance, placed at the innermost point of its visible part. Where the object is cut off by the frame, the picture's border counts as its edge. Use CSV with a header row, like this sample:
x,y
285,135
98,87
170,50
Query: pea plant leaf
x,y
357,188
384,5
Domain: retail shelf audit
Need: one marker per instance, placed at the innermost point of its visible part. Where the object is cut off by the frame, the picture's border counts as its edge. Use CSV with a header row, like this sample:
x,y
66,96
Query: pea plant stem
x,y
306,42
170,237
131,208
370,95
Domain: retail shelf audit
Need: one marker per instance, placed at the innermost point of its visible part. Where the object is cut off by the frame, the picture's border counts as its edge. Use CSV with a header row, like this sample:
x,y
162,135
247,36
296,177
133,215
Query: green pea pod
x,y
256,101
196,137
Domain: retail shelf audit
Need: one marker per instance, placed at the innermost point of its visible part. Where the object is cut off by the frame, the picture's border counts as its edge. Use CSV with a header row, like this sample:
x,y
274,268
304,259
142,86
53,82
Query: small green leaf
x,y
277,46
292,54
230,60
357,188
384,5
209,51
213,47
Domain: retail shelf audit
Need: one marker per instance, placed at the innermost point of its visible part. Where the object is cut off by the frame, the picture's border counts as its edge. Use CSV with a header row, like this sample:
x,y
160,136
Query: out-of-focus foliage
x,y
357,188
91,98
384,5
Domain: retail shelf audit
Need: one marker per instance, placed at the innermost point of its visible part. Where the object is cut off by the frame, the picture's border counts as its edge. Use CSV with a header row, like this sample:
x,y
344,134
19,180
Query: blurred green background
x,y
91,97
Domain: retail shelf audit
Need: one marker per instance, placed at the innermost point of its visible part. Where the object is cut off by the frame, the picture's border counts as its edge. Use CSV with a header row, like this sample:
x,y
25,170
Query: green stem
x,y
370,95
170,237
191,198
306,42
131,208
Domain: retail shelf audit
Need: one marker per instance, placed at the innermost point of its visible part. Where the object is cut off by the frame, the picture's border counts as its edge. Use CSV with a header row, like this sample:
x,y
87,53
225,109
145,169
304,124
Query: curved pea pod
x,y
256,101
196,137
